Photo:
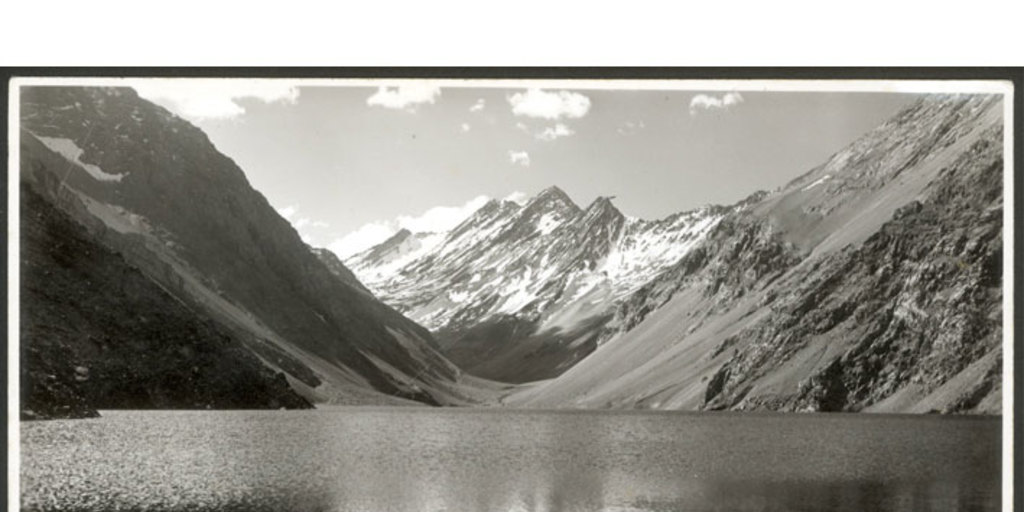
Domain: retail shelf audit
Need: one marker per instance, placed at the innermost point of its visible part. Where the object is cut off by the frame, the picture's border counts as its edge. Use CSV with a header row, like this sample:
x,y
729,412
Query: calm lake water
x,y
430,460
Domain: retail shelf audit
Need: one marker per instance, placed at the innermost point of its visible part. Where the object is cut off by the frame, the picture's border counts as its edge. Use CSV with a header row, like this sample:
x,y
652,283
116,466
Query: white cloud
x,y
200,99
554,132
407,97
465,127
361,239
517,197
288,211
707,102
549,105
478,106
305,226
630,127
519,158
439,218
549,133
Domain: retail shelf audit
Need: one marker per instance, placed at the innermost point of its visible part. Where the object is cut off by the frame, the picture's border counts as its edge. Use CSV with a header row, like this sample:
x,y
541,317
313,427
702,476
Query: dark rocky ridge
x,y
97,334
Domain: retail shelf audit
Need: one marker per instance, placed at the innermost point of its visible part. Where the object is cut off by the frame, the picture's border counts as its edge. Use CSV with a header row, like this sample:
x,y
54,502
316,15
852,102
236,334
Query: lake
x,y
431,460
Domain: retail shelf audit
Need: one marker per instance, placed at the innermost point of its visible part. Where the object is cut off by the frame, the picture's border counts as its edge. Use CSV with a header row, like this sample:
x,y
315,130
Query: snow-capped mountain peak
x,y
547,264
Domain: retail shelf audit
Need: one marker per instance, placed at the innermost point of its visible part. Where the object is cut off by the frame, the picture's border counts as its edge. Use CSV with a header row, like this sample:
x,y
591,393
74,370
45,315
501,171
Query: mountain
x,y
339,269
97,334
522,292
151,187
871,283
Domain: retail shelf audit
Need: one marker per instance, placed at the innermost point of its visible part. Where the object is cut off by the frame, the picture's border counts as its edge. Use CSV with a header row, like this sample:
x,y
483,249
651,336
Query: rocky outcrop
x,y
916,303
97,334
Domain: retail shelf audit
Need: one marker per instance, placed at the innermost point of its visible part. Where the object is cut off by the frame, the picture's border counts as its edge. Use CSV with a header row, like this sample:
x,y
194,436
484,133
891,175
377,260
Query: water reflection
x,y
817,496
443,460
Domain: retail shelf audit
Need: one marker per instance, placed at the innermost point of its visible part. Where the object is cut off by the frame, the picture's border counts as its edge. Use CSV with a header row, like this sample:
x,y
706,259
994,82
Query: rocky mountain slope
x,y
97,334
522,292
152,188
871,283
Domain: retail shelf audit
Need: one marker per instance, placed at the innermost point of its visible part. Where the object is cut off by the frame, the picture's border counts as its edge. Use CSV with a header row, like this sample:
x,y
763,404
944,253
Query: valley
x,y
871,283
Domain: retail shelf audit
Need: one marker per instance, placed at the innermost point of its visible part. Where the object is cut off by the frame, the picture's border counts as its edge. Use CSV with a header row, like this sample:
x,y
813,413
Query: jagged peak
x,y
553,195
601,202
603,205
492,209
553,189
386,245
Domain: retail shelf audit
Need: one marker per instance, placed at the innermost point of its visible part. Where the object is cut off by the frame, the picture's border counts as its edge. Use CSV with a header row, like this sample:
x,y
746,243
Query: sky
x,y
349,166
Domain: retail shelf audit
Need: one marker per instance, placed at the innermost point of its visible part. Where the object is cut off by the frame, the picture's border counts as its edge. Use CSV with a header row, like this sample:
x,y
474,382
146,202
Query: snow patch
x,y
116,217
641,254
373,273
516,301
817,182
70,151
548,223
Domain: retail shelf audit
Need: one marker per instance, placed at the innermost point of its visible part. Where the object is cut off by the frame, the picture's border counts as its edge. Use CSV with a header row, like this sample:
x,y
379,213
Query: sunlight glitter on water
x,y
420,459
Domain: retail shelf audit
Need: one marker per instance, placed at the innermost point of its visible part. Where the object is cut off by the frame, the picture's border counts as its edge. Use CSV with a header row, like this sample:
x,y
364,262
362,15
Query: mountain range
x,y
870,283
519,293
152,188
